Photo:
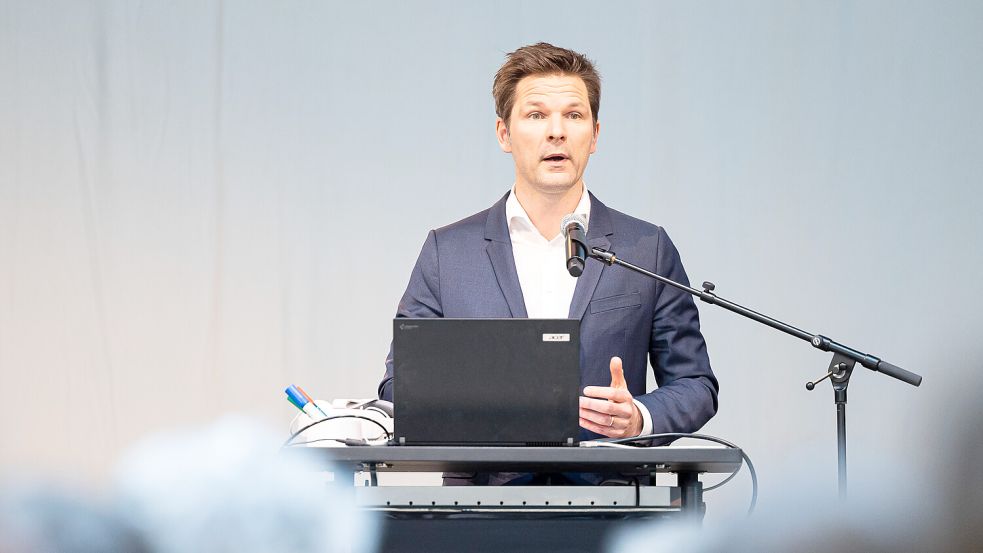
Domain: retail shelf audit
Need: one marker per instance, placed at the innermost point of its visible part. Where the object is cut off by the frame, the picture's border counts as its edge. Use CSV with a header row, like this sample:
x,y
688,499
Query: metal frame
x,y
645,463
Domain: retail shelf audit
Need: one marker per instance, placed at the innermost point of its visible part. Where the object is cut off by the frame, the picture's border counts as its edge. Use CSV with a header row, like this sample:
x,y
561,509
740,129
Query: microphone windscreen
x,y
572,218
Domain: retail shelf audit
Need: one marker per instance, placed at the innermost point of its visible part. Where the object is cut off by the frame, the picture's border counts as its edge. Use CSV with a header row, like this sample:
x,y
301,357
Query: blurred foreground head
x,y
40,517
226,488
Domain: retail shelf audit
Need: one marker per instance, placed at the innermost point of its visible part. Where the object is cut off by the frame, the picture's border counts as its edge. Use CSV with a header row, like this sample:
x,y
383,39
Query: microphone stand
x,y
840,368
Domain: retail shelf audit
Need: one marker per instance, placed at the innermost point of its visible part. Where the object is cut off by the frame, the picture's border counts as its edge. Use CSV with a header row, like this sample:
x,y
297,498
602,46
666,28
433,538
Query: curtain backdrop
x,y
203,202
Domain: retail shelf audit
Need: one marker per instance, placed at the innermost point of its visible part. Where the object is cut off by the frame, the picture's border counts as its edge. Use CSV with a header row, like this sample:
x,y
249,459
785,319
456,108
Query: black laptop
x,y
489,382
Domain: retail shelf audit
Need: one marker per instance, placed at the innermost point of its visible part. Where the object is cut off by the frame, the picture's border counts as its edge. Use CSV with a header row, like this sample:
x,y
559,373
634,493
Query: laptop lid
x,y
486,381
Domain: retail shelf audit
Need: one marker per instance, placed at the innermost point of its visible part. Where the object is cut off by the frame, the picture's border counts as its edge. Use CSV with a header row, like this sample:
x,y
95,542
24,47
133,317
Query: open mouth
x,y
555,158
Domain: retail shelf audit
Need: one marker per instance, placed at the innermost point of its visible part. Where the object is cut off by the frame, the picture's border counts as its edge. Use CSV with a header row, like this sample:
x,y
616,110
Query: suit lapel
x,y
499,249
598,231
508,279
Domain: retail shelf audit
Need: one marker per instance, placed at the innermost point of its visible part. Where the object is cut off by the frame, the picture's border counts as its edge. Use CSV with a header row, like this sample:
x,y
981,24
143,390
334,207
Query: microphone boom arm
x,y
818,341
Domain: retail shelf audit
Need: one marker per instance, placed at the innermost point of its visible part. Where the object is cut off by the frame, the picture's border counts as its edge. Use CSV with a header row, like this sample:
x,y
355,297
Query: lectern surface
x,y
531,459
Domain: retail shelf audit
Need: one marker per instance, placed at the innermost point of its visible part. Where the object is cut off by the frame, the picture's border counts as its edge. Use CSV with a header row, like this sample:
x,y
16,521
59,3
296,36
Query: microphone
x,y
572,226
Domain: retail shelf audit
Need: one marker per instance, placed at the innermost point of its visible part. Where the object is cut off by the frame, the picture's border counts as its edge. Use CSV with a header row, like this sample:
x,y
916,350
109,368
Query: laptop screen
x,y
486,381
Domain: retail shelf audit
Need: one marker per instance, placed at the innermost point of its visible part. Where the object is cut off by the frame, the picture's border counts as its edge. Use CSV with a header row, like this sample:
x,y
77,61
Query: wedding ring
x,y
612,420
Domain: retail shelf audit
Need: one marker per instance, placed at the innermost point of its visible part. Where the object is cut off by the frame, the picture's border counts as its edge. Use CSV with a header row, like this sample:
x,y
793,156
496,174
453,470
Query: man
x,y
509,260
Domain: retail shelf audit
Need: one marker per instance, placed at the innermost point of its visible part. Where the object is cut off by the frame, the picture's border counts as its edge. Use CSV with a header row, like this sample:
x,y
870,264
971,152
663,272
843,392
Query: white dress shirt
x,y
541,264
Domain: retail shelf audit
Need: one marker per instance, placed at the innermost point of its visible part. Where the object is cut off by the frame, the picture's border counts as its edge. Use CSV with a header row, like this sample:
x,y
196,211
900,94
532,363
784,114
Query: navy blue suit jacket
x,y
466,270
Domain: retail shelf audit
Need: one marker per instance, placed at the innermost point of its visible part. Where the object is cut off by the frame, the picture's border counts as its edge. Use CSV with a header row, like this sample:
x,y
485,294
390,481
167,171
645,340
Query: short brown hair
x,y
543,59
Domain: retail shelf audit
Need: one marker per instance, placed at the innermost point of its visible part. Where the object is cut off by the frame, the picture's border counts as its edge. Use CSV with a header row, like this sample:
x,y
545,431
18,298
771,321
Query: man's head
x,y
547,99
543,59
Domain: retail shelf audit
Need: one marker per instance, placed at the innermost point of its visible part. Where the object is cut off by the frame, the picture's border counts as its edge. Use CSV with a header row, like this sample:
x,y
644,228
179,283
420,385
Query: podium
x,y
523,518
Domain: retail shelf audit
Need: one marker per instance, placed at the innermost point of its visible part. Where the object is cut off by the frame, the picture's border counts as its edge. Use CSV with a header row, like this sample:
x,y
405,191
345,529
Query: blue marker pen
x,y
298,399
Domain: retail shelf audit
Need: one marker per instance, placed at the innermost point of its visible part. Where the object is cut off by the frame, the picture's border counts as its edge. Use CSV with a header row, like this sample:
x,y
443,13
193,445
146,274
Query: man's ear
x,y
593,141
502,132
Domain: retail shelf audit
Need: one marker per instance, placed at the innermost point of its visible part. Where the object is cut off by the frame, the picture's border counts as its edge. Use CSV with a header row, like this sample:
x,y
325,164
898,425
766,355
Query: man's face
x,y
551,133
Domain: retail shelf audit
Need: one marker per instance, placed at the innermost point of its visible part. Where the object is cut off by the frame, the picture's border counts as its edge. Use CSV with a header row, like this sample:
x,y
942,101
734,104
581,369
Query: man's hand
x,y
610,410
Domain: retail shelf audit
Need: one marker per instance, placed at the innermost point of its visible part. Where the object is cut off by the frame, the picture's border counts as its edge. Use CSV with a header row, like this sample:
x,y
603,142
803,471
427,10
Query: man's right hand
x,y
611,410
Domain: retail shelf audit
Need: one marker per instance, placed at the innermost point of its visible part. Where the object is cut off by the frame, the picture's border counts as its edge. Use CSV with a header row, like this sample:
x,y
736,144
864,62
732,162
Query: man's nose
x,y
557,130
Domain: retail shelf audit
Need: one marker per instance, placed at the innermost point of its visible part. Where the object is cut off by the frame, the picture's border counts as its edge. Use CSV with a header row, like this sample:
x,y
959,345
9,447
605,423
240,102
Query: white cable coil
x,y
351,424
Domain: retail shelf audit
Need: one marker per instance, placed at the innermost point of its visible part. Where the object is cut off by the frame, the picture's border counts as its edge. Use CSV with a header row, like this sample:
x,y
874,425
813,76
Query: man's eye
x,y
535,115
575,115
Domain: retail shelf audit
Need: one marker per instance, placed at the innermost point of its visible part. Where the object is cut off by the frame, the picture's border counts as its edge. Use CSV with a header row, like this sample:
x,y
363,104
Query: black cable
x,y
724,481
301,431
347,441
744,456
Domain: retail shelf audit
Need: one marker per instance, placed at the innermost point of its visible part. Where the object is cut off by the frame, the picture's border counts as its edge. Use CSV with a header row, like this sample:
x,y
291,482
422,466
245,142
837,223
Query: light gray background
x,y
202,202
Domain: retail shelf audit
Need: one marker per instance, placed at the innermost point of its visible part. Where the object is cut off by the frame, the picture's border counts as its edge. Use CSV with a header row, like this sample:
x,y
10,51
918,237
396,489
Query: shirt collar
x,y
516,215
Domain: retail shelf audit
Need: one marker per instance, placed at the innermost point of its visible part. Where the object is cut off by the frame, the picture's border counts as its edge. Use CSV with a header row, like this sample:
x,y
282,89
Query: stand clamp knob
x,y
836,370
